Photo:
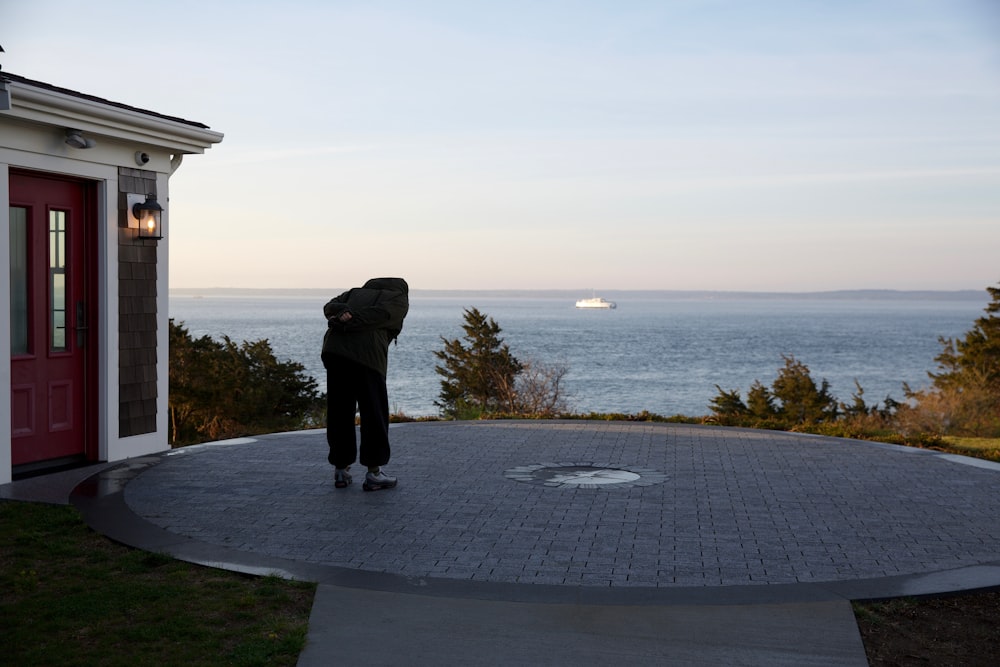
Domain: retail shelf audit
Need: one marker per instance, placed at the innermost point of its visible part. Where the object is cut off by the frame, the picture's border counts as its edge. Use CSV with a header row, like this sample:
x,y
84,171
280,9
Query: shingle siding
x,y
137,375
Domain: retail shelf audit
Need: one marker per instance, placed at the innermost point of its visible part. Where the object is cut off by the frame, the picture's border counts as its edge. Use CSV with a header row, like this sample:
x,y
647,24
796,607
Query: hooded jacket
x,y
377,310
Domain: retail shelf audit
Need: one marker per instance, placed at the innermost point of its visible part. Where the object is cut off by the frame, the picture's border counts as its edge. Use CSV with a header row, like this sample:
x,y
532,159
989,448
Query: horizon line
x,y
576,292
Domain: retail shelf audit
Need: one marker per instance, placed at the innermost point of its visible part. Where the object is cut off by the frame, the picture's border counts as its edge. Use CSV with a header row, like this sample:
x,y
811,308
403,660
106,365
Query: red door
x,y
50,225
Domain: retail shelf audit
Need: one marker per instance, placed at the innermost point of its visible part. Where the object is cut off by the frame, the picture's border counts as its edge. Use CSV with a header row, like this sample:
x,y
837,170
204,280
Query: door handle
x,y
81,324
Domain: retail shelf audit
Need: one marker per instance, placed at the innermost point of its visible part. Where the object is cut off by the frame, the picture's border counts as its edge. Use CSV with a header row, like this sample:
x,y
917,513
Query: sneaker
x,y
341,478
378,480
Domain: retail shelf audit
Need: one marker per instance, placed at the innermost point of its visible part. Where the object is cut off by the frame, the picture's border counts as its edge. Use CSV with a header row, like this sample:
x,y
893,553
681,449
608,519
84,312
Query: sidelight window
x,y
19,281
57,280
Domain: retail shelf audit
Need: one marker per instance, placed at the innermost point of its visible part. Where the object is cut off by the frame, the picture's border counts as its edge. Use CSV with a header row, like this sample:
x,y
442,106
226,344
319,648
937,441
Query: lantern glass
x,y
148,215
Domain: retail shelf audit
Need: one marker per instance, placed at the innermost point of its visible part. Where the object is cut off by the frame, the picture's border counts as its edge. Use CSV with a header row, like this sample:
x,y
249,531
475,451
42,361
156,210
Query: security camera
x,y
76,139
141,158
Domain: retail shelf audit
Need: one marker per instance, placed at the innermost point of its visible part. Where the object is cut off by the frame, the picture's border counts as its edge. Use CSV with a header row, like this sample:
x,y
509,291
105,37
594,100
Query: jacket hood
x,y
392,284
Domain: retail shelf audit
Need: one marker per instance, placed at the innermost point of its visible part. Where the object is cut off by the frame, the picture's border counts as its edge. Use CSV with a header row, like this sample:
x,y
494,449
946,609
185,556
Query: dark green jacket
x,y
377,312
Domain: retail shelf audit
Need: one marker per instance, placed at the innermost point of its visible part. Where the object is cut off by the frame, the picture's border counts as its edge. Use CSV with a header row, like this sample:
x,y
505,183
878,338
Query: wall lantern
x,y
146,216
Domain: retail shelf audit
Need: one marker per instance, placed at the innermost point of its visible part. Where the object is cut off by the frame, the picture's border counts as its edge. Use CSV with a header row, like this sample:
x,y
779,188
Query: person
x,y
361,323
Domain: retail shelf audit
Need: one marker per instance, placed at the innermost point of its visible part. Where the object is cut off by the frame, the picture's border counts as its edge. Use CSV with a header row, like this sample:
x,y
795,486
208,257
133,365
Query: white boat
x,y
595,302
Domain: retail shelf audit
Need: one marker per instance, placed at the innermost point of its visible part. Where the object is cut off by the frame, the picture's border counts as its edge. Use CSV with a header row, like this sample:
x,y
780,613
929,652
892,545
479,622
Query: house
x,y
83,280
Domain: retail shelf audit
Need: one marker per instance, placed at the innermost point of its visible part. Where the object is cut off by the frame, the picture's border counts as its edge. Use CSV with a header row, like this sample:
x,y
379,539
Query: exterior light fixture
x,y
148,216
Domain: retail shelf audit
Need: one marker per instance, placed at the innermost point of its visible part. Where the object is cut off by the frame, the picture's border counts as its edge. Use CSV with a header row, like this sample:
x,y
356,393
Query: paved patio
x,y
637,505
764,536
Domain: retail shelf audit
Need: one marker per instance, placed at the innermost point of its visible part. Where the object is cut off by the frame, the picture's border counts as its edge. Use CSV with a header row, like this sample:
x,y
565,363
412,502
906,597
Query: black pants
x,y
351,387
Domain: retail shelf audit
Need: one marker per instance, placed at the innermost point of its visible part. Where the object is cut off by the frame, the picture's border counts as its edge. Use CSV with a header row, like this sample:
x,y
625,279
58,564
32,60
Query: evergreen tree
x,y
793,399
857,406
802,402
760,402
965,395
478,375
728,404
973,362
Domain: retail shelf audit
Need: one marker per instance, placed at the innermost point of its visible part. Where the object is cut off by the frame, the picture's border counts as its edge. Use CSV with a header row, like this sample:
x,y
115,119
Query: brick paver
x,y
724,507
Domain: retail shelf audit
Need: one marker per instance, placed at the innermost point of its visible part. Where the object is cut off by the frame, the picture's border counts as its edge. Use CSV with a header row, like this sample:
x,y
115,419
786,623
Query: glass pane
x,y
58,311
18,281
59,330
57,278
57,239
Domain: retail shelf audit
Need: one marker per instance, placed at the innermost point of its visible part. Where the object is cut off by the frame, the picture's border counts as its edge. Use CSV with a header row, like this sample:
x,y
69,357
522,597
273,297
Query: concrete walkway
x,y
527,542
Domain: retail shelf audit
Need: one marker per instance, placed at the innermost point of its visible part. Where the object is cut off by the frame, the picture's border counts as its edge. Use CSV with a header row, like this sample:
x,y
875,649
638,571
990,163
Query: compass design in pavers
x,y
585,476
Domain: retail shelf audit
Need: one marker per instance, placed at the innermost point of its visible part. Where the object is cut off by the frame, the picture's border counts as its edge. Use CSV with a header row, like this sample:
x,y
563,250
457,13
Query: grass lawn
x,y
983,448
69,596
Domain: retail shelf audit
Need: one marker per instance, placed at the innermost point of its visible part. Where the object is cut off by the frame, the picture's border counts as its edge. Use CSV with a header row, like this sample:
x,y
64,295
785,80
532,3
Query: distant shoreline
x,y
862,294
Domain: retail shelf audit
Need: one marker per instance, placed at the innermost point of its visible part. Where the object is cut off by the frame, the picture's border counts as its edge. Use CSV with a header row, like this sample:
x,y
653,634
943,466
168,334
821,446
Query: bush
x,y
795,402
219,389
539,389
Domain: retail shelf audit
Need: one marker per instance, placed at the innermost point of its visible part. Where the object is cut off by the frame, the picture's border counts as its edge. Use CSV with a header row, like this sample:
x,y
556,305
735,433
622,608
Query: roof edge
x,y
42,102
15,78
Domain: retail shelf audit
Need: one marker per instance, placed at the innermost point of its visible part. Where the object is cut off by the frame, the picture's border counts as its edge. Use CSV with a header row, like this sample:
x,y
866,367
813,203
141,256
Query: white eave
x,y
51,107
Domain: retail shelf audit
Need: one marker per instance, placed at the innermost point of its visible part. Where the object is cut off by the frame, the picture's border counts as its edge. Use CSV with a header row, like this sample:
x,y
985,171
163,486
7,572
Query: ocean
x,y
660,352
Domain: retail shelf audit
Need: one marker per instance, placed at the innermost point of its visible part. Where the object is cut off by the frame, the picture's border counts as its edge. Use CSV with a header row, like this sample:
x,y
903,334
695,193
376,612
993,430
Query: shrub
x,y
220,389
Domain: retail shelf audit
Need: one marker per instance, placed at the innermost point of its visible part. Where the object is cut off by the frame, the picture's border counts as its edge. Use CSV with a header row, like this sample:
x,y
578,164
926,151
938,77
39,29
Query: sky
x,y
741,145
